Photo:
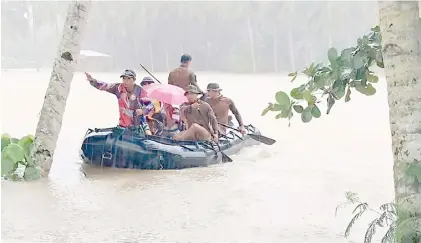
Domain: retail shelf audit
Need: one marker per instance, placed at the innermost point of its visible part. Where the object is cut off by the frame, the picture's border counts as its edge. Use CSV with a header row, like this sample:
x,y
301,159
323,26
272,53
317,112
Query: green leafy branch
x,y
405,228
16,162
346,71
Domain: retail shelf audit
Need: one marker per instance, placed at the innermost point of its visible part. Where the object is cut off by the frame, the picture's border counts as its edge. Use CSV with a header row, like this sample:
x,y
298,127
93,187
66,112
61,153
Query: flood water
x,y
281,193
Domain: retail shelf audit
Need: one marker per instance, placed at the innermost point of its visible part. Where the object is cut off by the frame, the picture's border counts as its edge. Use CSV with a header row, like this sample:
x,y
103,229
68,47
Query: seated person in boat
x,y
128,94
154,106
172,123
199,118
221,105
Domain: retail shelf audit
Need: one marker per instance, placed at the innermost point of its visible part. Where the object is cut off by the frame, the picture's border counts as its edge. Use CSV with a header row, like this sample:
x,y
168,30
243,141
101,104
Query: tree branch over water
x,y
348,70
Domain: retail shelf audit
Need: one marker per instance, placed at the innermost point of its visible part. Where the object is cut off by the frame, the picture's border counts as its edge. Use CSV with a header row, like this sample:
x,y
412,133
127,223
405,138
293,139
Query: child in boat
x,y
172,124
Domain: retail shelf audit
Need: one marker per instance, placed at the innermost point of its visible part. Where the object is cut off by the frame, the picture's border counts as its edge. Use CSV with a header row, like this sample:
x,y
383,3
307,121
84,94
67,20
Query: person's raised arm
x,y
108,87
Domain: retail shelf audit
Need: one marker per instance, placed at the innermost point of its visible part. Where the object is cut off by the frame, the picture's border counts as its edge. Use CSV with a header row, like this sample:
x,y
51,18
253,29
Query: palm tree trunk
x,y
401,34
49,124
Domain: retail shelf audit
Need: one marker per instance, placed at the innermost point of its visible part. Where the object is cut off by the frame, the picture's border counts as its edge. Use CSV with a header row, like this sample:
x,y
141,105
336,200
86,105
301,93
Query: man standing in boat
x,y
221,105
128,94
183,76
199,118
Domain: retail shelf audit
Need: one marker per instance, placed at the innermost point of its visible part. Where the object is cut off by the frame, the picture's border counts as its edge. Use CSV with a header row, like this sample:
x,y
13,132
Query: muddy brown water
x,y
281,193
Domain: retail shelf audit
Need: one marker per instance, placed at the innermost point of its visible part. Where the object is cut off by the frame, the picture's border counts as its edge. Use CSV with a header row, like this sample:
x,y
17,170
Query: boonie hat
x,y
213,86
192,89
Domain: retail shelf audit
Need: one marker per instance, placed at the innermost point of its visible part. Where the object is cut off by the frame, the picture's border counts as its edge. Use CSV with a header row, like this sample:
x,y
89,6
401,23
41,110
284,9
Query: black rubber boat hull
x,y
103,147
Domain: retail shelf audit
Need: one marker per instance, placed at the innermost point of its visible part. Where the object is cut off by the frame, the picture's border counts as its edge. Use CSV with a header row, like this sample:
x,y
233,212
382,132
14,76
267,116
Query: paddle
x,y
257,137
225,158
150,74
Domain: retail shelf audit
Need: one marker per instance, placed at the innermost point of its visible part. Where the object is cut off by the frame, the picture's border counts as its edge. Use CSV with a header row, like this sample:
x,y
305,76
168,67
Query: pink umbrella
x,y
166,93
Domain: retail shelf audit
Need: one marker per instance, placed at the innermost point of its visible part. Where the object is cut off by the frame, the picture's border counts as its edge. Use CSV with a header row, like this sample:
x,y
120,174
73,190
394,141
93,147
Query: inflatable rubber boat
x,y
127,149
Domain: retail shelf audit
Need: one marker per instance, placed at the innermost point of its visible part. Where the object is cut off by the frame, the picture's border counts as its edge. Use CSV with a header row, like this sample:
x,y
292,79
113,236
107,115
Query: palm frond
x,y
389,207
389,236
371,230
362,207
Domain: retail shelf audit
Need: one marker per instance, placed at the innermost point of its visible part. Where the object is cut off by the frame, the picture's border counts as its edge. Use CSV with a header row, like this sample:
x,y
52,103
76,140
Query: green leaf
x,y
361,74
14,152
307,96
293,75
371,78
357,61
296,94
345,73
310,70
31,173
408,230
338,88
379,59
285,113
7,165
330,103
320,79
346,55
5,140
14,140
332,54
367,90
298,108
376,28
348,95
26,143
315,111
265,111
283,99
306,116
276,107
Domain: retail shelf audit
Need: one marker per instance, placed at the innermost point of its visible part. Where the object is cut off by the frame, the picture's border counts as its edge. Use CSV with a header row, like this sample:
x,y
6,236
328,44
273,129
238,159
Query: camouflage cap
x,y
128,73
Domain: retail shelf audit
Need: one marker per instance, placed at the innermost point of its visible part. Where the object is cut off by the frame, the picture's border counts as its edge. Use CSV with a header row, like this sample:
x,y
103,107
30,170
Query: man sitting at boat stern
x,y
221,106
199,118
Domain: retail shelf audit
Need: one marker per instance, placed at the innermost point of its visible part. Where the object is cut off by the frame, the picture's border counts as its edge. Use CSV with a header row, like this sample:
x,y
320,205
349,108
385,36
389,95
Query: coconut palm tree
x,y
49,124
401,34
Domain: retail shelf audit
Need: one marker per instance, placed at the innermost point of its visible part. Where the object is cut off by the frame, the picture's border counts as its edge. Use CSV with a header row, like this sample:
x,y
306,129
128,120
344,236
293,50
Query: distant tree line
x,y
221,36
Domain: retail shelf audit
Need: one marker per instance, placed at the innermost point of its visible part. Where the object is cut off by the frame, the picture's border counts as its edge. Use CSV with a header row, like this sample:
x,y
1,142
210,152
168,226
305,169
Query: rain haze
x,y
286,192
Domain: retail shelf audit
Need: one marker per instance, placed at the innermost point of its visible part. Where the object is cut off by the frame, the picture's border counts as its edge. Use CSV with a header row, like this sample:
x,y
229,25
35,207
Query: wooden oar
x,y
257,137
